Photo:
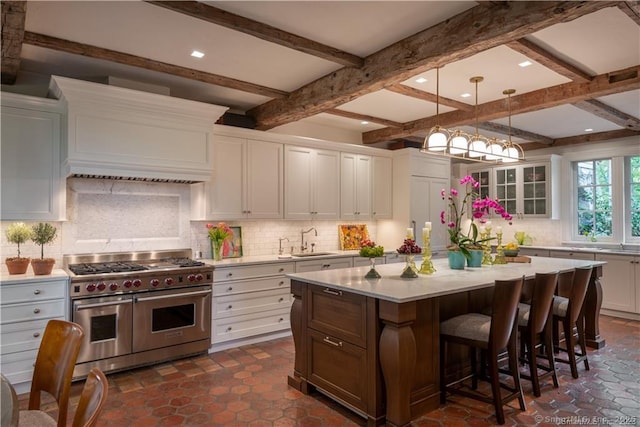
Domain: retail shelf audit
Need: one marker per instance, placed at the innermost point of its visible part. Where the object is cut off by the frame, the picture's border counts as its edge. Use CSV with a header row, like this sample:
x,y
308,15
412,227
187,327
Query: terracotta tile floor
x,y
247,386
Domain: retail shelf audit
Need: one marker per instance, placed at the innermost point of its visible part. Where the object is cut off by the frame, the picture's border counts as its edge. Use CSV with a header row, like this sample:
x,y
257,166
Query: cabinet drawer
x,y
18,367
393,258
32,311
337,313
27,292
253,302
235,327
325,264
240,287
22,336
249,271
573,255
338,367
533,252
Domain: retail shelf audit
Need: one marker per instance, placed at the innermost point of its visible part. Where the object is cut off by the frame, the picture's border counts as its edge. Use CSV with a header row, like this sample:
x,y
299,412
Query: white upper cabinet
x,y
312,183
31,187
382,184
355,194
247,181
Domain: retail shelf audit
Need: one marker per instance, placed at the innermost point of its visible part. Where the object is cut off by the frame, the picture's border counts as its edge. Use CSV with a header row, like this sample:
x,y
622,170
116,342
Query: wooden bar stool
x,y
535,327
490,334
92,399
568,311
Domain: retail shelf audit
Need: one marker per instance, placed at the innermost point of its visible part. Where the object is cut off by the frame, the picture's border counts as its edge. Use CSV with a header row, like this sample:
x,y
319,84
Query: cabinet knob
x,y
324,266
36,334
229,307
281,283
281,319
229,329
36,310
281,299
36,292
280,270
230,288
229,274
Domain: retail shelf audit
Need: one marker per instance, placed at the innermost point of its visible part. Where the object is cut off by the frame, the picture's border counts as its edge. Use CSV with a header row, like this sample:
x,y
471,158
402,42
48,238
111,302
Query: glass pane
x,y
500,176
585,173
500,191
603,172
484,192
541,207
484,178
541,190
529,207
103,328
510,206
528,191
541,174
635,224
603,198
511,191
511,176
603,224
476,176
585,222
176,316
527,174
585,198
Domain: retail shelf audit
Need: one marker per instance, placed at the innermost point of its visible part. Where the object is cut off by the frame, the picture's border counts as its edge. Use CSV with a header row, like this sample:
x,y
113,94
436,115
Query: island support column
x,y
592,304
398,359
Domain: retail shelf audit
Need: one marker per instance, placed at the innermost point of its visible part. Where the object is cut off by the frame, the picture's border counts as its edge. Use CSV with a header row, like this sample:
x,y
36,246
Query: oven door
x,y
106,322
166,318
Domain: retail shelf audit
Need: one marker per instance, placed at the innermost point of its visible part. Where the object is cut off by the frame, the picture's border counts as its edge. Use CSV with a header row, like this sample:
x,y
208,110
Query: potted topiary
x,y
17,233
42,234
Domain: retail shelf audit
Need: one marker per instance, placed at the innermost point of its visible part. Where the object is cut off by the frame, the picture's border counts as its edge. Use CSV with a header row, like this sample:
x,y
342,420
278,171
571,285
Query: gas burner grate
x,y
101,268
185,262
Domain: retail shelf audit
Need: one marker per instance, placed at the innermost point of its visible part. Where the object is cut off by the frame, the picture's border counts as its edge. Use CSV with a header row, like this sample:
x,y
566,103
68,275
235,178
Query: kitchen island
x,y
372,344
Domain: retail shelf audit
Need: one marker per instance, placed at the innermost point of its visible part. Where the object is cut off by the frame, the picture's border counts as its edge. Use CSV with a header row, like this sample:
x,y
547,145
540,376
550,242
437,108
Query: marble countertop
x,y
8,279
445,281
262,259
590,249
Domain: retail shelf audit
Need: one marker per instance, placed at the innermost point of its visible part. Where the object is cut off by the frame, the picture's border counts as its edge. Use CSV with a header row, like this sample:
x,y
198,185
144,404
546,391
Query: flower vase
x,y
409,271
372,274
456,260
475,260
216,250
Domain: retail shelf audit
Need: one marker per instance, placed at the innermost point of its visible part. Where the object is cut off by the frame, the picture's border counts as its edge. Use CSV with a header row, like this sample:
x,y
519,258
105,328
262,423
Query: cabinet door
x,y
227,183
535,190
299,181
507,188
355,187
381,191
30,151
618,282
426,205
326,204
264,180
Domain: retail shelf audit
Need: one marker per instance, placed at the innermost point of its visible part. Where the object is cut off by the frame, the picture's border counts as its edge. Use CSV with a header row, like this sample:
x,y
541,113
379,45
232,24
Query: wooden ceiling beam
x,y
475,30
427,96
363,117
609,113
582,139
518,133
13,18
632,9
567,93
68,46
548,60
262,31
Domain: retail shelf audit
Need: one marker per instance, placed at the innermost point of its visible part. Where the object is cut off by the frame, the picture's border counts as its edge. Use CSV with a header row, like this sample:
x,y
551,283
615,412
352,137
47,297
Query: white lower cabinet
x,y
249,303
620,282
324,264
25,309
533,252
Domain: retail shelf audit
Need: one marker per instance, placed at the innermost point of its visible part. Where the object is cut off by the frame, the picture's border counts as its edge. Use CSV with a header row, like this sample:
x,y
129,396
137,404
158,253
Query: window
x,y
594,198
634,196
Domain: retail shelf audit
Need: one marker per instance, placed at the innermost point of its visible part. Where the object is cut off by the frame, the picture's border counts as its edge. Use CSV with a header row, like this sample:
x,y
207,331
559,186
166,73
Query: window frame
x,y
627,200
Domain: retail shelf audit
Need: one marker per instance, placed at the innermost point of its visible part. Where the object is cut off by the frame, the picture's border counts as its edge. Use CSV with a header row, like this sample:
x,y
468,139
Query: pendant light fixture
x,y
438,137
478,144
511,152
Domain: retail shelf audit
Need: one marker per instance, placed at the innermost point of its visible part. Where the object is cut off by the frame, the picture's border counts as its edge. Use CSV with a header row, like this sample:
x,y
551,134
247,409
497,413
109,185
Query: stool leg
x,y
548,350
533,363
512,350
582,342
571,350
495,386
474,368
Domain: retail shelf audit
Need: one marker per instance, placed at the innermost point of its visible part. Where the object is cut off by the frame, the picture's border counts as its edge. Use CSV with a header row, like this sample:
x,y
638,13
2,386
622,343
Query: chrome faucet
x,y
280,239
303,244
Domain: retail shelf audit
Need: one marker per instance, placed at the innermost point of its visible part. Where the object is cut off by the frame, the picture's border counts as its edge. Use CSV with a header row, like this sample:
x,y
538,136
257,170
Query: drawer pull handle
x,y
229,329
230,307
280,270
332,342
281,299
36,334
37,292
281,319
326,265
229,274
36,310
281,283
332,292
230,288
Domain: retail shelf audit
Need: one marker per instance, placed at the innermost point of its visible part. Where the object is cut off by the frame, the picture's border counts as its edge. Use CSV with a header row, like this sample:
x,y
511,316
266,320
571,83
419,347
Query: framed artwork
x,y
232,248
352,235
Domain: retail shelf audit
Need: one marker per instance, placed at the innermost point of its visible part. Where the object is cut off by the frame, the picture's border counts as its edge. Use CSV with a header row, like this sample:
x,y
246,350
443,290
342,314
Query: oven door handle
x,y
101,304
180,295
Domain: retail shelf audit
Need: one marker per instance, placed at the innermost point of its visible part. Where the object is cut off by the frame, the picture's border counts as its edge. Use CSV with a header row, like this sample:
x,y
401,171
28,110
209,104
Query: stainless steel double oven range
x,y
139,308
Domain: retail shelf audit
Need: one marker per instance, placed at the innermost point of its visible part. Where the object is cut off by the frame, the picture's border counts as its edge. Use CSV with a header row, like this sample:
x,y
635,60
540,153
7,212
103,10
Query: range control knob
x,y
127,284
102,286
113,286
137,283
191,277
154,282
168,281
198,277
91,287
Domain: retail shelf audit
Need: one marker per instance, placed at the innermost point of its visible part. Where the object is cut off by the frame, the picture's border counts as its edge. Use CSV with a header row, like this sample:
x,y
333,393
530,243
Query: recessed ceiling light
x,y
525,64
364,122
197,54
465,95
588,130
421,80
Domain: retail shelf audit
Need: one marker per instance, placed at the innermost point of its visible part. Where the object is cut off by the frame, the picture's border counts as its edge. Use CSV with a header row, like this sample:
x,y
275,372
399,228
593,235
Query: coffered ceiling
x,y
341,63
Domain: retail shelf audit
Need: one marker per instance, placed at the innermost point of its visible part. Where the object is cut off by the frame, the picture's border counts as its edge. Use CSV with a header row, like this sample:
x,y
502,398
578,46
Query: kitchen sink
x,y
310,254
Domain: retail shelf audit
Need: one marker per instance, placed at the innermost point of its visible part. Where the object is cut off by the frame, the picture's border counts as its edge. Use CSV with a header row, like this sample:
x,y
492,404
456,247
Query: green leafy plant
x,y
43,234
18,233
369,249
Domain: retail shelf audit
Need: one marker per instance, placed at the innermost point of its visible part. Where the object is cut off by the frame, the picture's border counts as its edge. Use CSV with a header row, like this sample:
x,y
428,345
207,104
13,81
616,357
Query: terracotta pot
x,y
17,265
42,266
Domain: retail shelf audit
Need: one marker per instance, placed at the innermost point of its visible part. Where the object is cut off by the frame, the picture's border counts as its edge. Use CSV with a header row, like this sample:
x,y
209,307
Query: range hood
x,y
120,133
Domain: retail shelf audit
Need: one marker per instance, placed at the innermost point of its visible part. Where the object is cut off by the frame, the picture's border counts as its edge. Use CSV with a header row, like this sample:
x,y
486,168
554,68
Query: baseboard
x,y
249,340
